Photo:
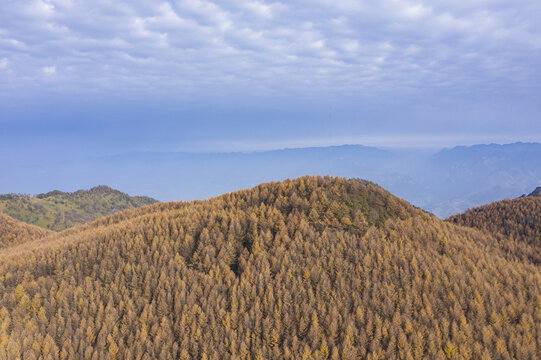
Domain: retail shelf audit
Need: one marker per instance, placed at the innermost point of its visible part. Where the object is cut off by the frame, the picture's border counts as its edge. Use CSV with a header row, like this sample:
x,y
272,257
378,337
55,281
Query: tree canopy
x,y
312,268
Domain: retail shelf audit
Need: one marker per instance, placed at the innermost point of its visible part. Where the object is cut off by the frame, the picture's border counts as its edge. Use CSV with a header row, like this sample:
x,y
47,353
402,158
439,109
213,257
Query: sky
x,y
92,78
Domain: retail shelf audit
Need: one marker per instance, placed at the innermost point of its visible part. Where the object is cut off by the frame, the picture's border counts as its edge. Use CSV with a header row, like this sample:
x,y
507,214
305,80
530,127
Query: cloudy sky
x,y
97,77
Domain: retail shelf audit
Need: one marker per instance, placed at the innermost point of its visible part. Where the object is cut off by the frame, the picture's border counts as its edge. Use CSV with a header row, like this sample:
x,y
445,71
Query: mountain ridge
x,y
536,192
445,182
515,222
58,210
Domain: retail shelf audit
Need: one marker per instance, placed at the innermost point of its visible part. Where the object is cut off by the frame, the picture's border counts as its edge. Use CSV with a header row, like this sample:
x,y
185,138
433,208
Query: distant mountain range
x,y
57,210
465,177
444,182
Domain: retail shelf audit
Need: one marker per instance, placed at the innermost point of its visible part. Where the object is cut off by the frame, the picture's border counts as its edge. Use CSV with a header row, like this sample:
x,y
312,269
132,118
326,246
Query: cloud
x,y
39,9
3,63
49,70
203,47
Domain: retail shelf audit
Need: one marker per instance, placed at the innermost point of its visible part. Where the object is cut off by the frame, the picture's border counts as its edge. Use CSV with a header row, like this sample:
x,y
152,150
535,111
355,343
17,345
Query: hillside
x,y
536,192
13,232
313,268
57,210
518,221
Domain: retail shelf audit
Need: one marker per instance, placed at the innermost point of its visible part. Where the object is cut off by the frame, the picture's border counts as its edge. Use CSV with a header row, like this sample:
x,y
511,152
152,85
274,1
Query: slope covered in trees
x,y
516,222
13,232
314,268
57,210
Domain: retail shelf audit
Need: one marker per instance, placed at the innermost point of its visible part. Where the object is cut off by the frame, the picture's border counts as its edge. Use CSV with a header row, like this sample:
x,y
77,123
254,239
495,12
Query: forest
x,y
13,232
310,268
516,222
58,210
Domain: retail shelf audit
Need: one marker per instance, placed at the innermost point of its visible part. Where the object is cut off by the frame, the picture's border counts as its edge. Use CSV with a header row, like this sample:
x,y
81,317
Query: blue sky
x,y
86,78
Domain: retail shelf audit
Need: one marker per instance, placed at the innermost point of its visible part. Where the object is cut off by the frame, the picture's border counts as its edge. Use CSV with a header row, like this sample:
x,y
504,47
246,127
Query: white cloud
x,y
416,11
261,9
3,63
40,8
339,47
49,70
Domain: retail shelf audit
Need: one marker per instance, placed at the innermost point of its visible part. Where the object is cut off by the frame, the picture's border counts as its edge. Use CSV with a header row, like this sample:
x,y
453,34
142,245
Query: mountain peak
x,y
96,190
102,189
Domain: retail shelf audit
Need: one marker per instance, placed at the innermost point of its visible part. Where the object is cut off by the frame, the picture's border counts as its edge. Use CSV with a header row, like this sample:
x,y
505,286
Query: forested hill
x,y
13,232
313,268
57,210
517,220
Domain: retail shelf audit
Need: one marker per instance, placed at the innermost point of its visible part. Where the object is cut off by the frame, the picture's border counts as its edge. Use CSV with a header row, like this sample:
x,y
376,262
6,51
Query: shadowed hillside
x,y
314,268
536,192
57,210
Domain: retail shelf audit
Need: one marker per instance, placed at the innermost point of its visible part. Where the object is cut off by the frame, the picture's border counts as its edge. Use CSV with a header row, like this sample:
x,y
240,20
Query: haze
x,y
83,80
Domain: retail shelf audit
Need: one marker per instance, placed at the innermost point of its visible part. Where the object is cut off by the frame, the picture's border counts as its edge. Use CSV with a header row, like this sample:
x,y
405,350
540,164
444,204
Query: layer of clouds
x,y
208,48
